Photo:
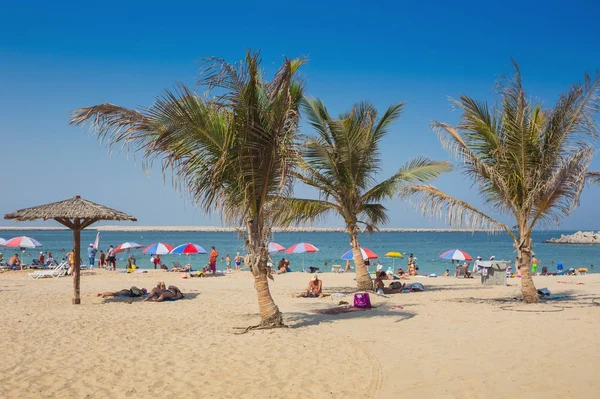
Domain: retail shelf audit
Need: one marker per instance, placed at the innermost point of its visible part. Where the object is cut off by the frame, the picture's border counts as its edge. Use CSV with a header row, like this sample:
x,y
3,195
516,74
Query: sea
x,y
426,246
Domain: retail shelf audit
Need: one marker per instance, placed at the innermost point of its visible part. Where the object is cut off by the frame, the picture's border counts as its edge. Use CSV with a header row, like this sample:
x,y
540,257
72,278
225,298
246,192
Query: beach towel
x,y
362,300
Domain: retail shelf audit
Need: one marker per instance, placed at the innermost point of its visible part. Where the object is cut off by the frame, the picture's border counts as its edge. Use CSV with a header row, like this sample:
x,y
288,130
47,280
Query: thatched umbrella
x,y
77,214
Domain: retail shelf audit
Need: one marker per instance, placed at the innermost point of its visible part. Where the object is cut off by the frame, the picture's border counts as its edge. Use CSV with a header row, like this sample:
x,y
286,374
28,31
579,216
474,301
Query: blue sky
x,y
56,57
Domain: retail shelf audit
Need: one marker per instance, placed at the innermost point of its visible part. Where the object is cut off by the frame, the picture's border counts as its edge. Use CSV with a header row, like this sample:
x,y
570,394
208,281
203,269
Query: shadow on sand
x,y
301,319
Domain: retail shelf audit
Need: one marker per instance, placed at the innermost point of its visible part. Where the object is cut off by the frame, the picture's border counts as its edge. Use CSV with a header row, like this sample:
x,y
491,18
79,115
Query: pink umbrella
x,y
126,246
456,254
300,249
274,247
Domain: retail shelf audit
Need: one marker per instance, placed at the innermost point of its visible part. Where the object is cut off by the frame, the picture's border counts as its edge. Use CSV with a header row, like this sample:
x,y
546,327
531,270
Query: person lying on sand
x,y
170,293
381,289
186,268
315,288
132,292
156,291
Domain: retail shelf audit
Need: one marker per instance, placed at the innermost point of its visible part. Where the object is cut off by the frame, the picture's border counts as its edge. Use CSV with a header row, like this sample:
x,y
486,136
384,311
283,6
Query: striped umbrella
x,y
456,254
366,254
188,249
300,249
158,249
274,247
23,242
126,246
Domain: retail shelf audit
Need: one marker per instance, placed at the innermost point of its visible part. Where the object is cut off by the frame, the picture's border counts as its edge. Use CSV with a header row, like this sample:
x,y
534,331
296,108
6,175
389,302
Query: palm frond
x,y
432,202
298,210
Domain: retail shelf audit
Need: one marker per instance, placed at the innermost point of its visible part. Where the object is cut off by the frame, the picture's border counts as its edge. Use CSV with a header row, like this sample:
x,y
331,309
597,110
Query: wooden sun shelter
x,y
76,213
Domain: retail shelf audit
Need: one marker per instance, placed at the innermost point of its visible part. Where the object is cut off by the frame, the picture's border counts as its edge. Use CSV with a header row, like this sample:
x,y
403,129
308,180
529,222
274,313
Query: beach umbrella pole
x,y
76,261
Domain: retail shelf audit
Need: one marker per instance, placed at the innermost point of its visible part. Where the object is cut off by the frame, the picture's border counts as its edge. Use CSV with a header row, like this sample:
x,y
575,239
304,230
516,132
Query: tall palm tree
x,y
233,152
342,161
527,161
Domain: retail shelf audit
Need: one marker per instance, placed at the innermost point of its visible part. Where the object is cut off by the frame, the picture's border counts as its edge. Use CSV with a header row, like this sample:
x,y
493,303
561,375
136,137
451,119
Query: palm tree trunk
x,y
528,289
258,255
363,279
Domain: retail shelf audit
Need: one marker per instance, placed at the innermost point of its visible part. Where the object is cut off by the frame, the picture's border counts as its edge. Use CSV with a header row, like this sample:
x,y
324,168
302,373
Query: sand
x,y
455,340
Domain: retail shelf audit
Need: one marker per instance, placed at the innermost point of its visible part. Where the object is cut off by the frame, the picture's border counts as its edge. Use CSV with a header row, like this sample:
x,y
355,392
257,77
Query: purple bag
x,y
362,300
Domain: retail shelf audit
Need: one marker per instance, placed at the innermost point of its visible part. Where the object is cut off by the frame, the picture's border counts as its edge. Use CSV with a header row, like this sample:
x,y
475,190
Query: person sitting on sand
x,y
315,288
170,293
447,273
283,266
313,269
133,292
164,267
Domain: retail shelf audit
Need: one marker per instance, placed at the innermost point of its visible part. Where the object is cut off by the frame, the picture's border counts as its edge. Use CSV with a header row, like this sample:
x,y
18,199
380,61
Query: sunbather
x,y
132,292
381,289
315,288
156,291
170,293
186,268
15,261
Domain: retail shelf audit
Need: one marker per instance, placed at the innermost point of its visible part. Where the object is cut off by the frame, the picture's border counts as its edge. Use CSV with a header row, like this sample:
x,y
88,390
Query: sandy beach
x,y
455,340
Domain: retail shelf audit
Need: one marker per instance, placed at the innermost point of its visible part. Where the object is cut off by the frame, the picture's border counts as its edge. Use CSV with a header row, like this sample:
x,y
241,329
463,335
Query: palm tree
x,y
342,162
234,152
526,161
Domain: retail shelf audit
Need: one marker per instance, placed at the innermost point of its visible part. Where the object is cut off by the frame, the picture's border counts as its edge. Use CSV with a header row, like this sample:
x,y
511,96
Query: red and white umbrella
x,y
456,254
274,247
23,242
366,254
188,249
127,246
301,248
158,249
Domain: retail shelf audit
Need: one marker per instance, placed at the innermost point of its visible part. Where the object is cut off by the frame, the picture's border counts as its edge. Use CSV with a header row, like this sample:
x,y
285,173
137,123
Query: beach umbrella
x,y
456,254
302,248
158,249
366,254
274,247
23,242
394,255
75,213
127,246
188,249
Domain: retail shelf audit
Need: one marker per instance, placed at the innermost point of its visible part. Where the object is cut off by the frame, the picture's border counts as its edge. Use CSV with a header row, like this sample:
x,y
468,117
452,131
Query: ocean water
x,y
426,246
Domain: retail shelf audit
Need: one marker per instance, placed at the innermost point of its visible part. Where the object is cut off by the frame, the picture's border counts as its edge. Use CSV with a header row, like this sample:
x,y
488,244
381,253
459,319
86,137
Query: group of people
x,y
159,293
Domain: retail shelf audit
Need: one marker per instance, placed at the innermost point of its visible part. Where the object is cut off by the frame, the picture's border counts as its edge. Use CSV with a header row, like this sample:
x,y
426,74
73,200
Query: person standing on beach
x,y
238,261
534,265
102,259
228,262
214,255
111,260
92,255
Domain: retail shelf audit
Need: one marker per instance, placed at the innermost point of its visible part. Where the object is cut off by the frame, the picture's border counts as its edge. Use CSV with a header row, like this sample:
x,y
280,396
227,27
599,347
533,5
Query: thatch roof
x,y
73,208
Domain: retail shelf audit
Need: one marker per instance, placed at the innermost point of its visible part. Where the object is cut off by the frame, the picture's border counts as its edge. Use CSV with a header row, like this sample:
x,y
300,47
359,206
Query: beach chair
x,y
461,271
39,264
176,264
59,271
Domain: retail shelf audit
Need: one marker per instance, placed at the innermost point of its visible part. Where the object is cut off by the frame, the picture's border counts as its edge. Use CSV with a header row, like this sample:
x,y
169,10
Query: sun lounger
x,y
59,271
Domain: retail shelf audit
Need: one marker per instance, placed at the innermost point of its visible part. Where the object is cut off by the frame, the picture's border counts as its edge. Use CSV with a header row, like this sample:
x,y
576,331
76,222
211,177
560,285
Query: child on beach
x,y
228,263
238,261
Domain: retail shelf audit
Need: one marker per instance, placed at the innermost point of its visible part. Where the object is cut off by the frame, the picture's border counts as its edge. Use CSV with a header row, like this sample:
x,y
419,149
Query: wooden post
x,y
76,260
